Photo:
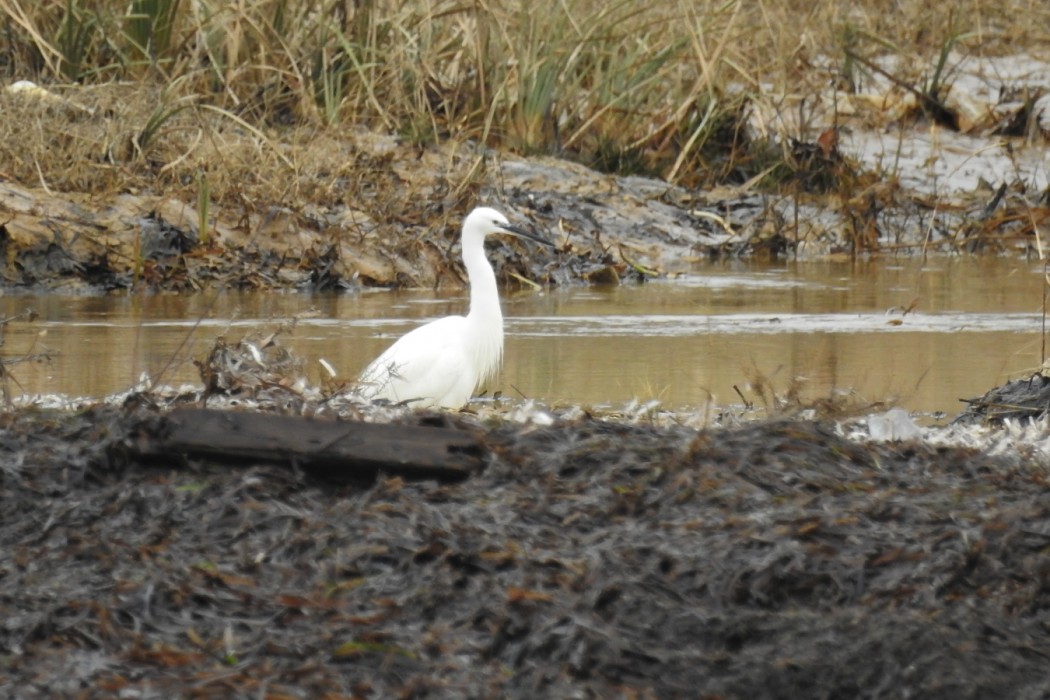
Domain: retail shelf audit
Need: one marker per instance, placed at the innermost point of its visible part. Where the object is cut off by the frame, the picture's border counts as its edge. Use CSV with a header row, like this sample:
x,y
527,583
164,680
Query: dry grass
x,y
254,97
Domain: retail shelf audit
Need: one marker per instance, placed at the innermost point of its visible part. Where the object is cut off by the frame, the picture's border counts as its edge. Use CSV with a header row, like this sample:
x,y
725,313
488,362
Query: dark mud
x,y
589,559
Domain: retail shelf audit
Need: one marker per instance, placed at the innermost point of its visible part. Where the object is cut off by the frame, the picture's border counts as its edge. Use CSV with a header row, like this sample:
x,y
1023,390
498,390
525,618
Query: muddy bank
x,y
588,559
606,229
881,162
400,227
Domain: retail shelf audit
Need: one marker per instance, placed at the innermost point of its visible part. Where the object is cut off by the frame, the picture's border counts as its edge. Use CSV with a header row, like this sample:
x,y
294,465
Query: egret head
x,y
485,220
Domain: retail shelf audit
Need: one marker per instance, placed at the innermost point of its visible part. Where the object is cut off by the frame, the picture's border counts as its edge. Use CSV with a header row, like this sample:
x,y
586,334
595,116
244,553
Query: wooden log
x,y
338,450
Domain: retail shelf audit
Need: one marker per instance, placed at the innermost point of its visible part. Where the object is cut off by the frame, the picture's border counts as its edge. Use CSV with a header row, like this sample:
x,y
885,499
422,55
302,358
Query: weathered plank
x,y
341,450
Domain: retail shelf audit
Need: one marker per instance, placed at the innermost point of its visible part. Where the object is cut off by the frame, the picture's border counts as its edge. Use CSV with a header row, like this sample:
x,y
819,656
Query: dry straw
x,y
662,87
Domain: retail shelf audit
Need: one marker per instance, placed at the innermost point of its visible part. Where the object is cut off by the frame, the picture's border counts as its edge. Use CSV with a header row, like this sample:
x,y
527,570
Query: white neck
x,y
485,319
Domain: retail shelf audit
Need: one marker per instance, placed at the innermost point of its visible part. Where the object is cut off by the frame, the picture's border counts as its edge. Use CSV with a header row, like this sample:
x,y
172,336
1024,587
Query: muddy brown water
x,y
832,325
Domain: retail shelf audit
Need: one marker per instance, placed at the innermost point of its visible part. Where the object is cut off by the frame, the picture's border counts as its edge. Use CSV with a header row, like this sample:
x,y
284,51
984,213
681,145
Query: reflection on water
x,y
834,325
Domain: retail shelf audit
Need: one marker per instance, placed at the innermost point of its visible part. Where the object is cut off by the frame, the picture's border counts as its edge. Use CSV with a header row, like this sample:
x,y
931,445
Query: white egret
x,y
442,363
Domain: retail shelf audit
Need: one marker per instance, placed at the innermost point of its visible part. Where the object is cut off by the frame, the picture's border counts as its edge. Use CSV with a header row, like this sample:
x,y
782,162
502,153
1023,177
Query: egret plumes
x,y
442,363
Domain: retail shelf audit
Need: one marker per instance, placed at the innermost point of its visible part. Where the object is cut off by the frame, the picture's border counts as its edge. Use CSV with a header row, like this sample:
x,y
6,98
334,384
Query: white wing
x,y
427,367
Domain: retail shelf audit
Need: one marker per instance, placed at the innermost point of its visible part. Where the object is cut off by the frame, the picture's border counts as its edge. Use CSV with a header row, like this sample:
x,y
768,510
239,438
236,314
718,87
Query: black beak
x,y
522,233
